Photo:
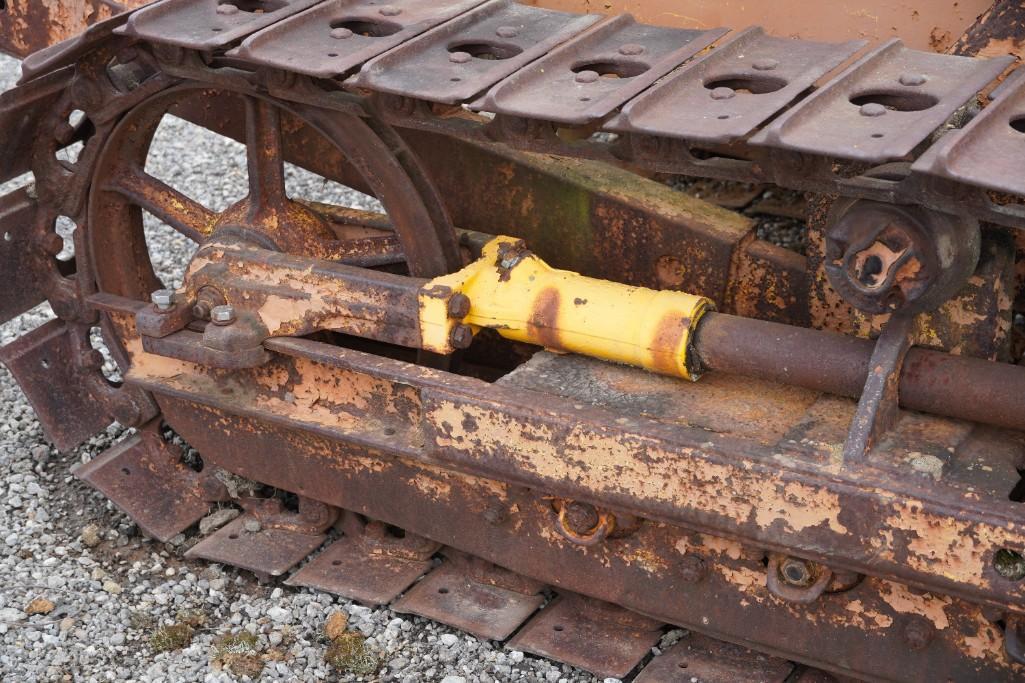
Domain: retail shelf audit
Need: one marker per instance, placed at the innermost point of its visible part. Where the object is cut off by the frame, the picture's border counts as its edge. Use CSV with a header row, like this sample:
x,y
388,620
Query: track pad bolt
x,y
222,315
580,518
693,568
227,9
722,93
796,572
918,632
163,299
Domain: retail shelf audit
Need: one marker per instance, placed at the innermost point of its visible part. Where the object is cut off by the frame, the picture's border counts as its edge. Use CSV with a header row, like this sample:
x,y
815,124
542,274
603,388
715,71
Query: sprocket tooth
x,y
267,551
349,569
144,477
606,640
454,597
713,661
44,364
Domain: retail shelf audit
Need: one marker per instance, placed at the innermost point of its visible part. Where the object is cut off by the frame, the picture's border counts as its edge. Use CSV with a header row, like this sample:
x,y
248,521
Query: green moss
x,y
174,637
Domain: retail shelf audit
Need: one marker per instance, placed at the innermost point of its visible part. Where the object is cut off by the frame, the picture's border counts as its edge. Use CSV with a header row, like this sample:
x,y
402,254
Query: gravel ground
x,y
108,600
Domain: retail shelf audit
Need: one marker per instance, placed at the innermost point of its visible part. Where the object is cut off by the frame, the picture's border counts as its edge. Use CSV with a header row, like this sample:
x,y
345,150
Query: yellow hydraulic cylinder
x,y
518,295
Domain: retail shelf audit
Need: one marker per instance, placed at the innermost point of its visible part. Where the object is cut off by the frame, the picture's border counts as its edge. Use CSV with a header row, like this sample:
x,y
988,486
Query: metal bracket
x,y
878,408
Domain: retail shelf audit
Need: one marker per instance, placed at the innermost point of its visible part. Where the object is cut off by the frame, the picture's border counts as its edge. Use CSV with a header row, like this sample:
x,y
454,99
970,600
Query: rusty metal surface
x,y
737,87
205,25
27,26
357,572
497,39
46,364
696,657
457,598
267,551
334,38
20,118
984,152
597,637
883,106
21,275
588,77
146,479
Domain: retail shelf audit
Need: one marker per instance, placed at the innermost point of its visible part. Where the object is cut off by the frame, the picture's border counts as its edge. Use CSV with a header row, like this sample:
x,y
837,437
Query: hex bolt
x,y
459,57
631,49
507,32
227,9
796,572
587,76
341,33
693,568
581,518
163,299
461,337
458,306
390,11
495,514
722,93
765,64
911,79
222,315
918,632
872,109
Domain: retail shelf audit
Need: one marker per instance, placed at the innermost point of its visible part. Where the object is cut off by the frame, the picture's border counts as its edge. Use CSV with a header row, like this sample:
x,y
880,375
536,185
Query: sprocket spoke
x,y
167,204
366,252
264,154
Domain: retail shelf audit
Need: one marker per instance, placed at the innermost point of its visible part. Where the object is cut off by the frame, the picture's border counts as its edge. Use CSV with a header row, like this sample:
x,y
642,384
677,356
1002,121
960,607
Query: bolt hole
x,y
216,29
1018,124
487,51
896,101
336,563
872,267
878,135
368,29
455,79
1018,492
1009,564
618,69
125,471
559,627
682,665
443,591
259,6
585,99
723,117
332,54
747,85
388,431
45,363
233,537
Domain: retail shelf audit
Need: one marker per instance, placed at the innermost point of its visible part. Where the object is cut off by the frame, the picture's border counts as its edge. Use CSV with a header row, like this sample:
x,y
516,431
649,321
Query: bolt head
x,y
458,306
580,518
341,33
222,315
631,49
390,11
227,9
765,64
693,568
163,299
587,76
911,79
796,572
507,32
722,93
872,109
918,633
459,57
461,337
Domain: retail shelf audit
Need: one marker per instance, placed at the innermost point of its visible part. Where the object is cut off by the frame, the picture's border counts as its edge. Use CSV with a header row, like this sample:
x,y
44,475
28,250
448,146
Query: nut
x,y
580,518
163,299
222,315
693,568
918,632
461,336
458,306
796,572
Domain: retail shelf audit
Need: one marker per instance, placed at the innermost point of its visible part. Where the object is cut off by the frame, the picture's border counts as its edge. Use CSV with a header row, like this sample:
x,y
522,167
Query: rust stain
x,y
543,323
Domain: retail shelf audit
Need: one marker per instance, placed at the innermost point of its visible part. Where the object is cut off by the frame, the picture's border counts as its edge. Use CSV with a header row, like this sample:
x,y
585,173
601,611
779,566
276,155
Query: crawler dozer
x,y
540,390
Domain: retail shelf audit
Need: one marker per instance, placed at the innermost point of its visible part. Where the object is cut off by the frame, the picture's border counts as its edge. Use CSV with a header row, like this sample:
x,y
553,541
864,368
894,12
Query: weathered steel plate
x,y
590,76
734,89
883,106
336,37
44,363
599,643
269,551
146,481
988,151
460,59
20,274
67,52
21,110
347,569
208,24
705,659
450,596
